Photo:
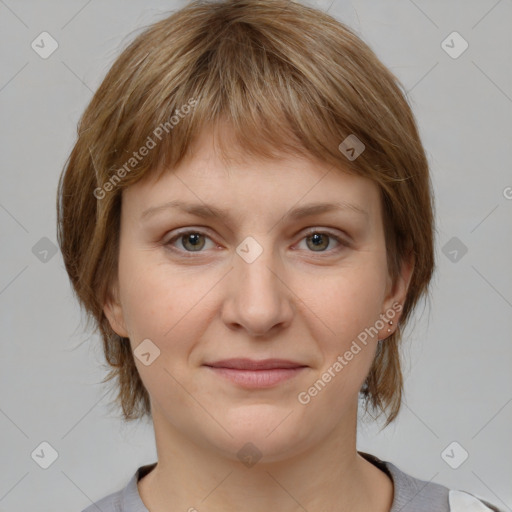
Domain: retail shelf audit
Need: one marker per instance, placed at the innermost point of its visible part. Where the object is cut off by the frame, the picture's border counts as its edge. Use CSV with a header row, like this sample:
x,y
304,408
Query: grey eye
x,y
196,241
318,241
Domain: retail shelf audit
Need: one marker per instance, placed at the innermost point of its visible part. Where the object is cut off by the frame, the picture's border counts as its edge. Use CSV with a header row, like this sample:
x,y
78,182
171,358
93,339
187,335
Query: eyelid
x,y
185,231
344,238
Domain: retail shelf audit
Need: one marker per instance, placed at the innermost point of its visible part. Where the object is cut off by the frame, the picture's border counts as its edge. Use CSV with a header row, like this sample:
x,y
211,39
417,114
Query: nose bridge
x,y
259,300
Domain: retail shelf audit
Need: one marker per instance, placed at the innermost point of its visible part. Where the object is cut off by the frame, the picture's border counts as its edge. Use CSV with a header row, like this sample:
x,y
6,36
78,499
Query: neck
x,y
331,475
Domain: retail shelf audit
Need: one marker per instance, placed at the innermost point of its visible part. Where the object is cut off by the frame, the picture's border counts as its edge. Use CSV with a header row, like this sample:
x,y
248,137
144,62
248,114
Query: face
x,y
268,280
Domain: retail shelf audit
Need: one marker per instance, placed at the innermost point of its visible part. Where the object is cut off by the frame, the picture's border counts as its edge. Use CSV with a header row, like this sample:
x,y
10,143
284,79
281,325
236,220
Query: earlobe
x,y
114,313
397,295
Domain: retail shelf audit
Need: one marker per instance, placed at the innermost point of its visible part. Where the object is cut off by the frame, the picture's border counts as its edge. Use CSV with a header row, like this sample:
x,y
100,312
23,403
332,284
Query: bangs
x,y
271,96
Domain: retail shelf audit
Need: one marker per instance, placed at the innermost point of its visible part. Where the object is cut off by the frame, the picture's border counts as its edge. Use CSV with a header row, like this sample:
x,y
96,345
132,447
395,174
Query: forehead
x,y
217,172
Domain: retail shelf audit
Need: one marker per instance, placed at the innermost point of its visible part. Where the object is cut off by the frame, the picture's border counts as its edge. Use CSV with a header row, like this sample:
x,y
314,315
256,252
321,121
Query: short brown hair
x,y
287,78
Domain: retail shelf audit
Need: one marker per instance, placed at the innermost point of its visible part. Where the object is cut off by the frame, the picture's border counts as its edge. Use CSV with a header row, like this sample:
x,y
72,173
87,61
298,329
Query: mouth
x,y
253,374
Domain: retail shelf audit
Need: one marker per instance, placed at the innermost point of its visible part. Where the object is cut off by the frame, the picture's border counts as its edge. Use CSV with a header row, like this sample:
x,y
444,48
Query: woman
x,y
247,217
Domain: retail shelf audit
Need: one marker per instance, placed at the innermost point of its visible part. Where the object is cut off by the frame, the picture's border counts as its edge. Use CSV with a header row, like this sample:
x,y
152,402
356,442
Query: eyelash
x,y
190,254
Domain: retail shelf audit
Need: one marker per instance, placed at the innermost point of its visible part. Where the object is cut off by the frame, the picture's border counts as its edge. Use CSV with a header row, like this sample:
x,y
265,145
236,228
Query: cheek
x,y
146,293
162,304
342,310
346,302
141,297
165,307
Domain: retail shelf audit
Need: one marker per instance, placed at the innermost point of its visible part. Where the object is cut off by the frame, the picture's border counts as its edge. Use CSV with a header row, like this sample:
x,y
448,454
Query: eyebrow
x,y
208,211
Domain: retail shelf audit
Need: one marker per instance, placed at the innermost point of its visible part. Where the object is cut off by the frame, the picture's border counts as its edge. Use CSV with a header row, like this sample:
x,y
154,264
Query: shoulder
x,y
461,501
415,495
110,503
126,499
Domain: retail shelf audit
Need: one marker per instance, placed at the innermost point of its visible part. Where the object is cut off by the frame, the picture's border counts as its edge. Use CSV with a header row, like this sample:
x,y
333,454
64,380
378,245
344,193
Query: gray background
x,y
459,354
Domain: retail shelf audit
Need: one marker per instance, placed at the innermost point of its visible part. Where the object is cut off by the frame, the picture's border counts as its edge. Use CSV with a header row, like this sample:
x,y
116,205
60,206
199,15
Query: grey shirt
x,y
410,494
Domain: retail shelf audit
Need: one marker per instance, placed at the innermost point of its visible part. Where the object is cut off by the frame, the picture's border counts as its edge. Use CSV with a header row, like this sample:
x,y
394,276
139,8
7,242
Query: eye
x,y
319,241
191,241
195,241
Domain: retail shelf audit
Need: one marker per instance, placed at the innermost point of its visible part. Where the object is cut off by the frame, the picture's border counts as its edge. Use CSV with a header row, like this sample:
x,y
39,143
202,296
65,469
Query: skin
x,y
297,301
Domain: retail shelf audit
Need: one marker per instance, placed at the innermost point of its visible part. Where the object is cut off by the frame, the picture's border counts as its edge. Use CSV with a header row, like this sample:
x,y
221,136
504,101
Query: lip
x,y
252,364
252,374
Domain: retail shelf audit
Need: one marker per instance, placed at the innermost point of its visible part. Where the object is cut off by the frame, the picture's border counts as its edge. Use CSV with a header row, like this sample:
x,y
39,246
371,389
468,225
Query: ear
x,y
396,295
114,311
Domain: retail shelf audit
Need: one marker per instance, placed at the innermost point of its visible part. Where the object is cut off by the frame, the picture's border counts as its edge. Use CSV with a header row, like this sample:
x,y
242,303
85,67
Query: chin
x,y
264,432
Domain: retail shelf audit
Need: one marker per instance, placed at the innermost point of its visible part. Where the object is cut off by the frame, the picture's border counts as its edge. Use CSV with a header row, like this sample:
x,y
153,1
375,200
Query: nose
x,y
258,299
